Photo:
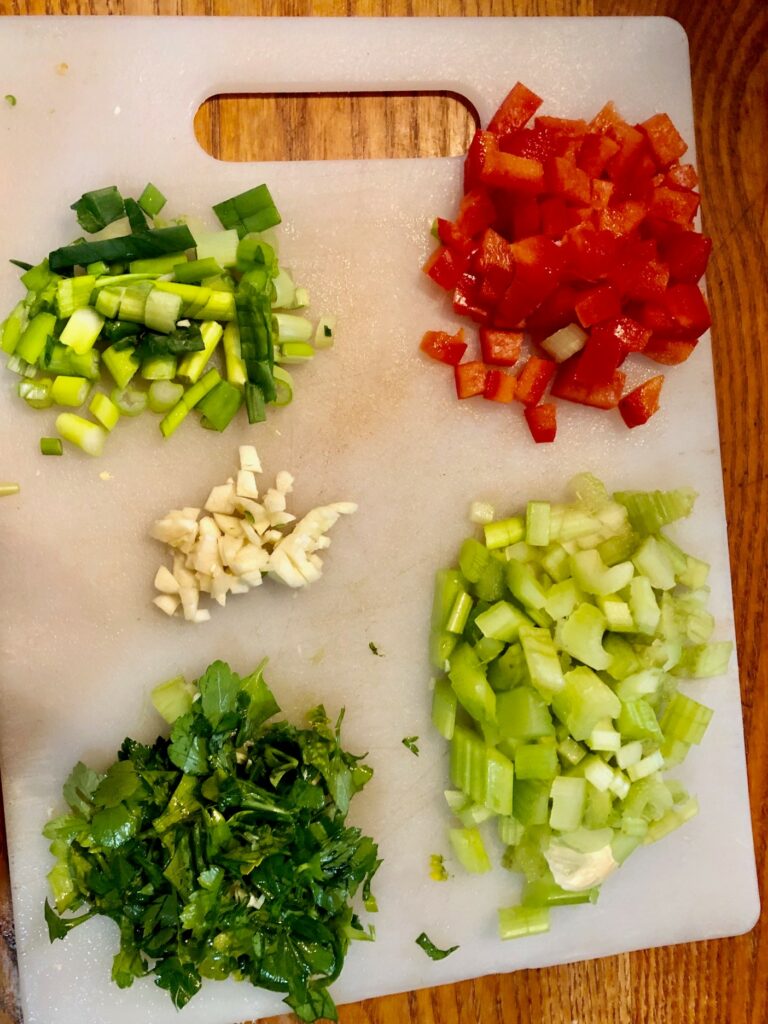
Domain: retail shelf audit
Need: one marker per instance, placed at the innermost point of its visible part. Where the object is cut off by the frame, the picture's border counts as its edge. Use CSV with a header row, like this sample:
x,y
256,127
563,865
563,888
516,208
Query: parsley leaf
x,y
432,950
190,846
410,743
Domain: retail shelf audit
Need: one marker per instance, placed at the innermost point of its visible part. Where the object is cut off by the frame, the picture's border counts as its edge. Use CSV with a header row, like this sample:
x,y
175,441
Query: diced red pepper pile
x,y
571,224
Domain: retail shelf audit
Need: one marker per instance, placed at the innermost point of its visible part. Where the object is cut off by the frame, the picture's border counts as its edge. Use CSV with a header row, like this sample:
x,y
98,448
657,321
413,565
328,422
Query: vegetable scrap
x,y
146,307
242,538
192,845
576,237
561,638
432,950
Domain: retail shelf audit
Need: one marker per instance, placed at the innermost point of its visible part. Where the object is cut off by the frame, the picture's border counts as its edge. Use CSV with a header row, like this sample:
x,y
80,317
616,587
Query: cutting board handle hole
x,y
335,126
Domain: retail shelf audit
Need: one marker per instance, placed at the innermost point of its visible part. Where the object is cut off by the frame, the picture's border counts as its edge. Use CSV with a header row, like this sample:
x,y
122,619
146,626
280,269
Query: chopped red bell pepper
x,y
542,422
476,213
556,311
667,145
689,309
567,387
518,107
639,405
595,153
461,245
630,335
521,215
674,205
470,378
568,126
444,347
500,348
513,173
443,268
687,254
535,143
482,143
669,351
602,193
494,259
632,144
499,386
538,266
533,379
622,218
606,118
598,361
590,254
601,303
639,275
465,299
682,176
564,178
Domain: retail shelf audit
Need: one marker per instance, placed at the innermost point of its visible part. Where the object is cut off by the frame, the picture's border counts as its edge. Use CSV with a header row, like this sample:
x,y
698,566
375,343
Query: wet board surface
x,y
372,422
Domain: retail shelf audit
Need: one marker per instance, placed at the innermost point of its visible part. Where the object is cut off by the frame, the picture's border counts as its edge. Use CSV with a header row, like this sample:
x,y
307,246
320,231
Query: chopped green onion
x,y
152,200
253,210
220,405
161,367
324,333
121,363
8,490
82,329
217,247
124,248
432,950
36,393
10,99
164,395
283,386
105,410
129,401
188,401
51,446
295,352
192,366
94,210
71,391
32,340
81,432
194,271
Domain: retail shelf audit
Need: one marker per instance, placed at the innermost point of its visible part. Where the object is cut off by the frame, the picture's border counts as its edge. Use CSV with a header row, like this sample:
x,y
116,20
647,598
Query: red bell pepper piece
x,y
622,218
518,107
688,307
667,145
535,143
564,178
542,422
606,118
601,303
513,173
494,259
470,379
601,192
476,213
482,143
687,255
465,299
557,217
538,266
525,217
499,386
674,205
566,386
500,348
630,335
444,347
632,144
669,351
595,153
639,405
533,379
461,245
556,311
598,360
568,126
682,176
590,254
638,274
443,268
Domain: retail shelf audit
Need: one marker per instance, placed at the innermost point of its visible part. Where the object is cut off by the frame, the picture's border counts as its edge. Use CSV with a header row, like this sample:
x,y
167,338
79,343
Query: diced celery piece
x,y
650,510
629,754
599,807
581,635
469,850
646,766
535,761
674,751
618,616
530,801
562,598
448,583
653,562
503,532
570,752
541,659
568,796
640,684
459,614
643,605
524,586
490,586
469,763
556,563
444,708
604,737
522,714
548,894
637,721
510,830
473,559
623,845
624,661
470,685
488,650
595,577
502,621
537,523
597,772
584,700
685,719
516,922
441,644
500,775
704,661
509,669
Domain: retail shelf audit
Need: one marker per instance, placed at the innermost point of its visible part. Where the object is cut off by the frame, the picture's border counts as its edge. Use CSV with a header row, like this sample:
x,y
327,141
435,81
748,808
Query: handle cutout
x,y
335,126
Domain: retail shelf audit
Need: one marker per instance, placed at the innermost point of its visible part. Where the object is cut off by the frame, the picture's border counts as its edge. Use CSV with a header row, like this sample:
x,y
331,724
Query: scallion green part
x,y
152,200
253,210
51,446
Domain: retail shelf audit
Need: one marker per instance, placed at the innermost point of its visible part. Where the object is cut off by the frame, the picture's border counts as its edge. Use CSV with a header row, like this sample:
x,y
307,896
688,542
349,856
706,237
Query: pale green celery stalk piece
x,y
653,562
646,766
623,845
583,701
469,850
468,763
537,520
629,753
555,562
597,772
500,776
470,685
448,583
649,511
568,795
536,761
640,684
595,577
671,820
81,432
192,365
235,367
82,329
643,605
503,532
502,621
542,660
457,619
523,714
524,585
444,705
685,719
581,635
517,922
604,737
618,616
173,698
510,830
704,661
562,598
509,669
570,751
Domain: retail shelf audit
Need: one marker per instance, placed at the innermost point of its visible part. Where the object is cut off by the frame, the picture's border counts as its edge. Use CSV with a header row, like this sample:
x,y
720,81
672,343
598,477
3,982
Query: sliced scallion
x,y
51,446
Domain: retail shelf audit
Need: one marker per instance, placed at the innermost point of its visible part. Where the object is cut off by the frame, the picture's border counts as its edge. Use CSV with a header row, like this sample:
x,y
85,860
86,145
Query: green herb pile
x,y
222,851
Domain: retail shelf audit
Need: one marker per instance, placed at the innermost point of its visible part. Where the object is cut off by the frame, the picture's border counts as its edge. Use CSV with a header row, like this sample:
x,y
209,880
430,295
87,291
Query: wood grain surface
x,y
723,982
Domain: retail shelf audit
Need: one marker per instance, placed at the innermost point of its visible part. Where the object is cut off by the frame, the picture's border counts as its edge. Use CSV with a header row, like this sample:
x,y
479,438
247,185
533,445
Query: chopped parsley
x,y
432,950
375,650
410,742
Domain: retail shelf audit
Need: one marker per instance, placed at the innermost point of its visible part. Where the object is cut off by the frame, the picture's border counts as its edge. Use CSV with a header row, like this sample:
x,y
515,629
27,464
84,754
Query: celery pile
x,y
561,640
144,307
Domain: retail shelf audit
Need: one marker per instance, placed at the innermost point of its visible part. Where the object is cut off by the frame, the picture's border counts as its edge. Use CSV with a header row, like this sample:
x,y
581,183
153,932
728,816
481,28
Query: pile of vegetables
x,y
244,537
143,307
561,639
222,851
579,235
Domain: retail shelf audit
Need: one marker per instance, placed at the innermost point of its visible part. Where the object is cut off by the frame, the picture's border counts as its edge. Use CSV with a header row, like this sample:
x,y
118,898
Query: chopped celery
x,y
523,714
444,705
470,685
581,635
516,922
503,532
469,849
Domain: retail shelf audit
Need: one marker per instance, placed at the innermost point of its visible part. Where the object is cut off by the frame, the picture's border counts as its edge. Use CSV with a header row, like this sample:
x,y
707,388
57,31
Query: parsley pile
x,y
222,851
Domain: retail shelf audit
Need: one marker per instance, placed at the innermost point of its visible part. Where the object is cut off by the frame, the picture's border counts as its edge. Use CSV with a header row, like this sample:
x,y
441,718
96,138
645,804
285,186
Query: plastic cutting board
x,y
104,101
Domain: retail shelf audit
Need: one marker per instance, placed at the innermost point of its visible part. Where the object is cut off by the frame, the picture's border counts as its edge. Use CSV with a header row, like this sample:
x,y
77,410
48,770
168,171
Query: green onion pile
x,y
561,639
144,305
222,851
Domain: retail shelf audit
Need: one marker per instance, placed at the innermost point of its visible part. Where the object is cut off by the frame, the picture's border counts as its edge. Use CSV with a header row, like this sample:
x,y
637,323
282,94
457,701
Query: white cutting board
x,y
373,422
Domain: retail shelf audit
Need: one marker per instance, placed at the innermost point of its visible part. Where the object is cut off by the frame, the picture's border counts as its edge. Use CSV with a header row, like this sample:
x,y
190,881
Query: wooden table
x,y
708,982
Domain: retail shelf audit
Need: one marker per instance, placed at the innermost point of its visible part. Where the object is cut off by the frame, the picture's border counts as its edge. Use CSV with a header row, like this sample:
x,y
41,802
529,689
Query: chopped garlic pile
x,y
242,538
